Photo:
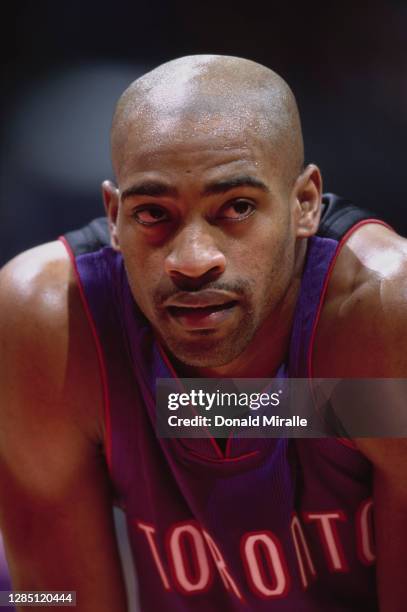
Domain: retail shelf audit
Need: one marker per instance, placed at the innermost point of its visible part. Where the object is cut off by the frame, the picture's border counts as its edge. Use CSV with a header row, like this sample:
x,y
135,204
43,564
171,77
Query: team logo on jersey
x,y
188,557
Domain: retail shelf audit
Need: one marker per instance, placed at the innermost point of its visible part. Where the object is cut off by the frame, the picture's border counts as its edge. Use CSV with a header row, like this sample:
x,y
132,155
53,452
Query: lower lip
x,y
202,318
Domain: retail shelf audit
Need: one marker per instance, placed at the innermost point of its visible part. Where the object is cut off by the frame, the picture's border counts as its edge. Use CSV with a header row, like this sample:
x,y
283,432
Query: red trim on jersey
x,y
326,283
348,443
310,372
223,459
167,361
212,440
100,355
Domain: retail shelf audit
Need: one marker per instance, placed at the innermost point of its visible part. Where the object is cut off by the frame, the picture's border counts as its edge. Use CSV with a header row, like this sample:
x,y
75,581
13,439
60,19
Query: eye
x,y
150,215
237,210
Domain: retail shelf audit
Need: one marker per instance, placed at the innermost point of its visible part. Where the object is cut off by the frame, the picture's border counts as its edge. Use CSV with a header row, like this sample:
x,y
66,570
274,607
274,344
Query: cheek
x,y
144,261
266,250
269,264
144,271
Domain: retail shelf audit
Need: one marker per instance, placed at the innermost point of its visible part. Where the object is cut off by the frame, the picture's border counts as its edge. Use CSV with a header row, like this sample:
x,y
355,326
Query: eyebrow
x,y
159,189
149,188
232,183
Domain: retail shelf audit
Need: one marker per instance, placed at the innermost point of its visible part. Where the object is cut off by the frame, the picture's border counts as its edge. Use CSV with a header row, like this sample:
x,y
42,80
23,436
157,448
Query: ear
x,y
110,195
307,194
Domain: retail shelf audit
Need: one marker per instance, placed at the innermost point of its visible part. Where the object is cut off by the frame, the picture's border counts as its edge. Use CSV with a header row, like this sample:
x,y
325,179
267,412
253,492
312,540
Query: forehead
x,y
203,146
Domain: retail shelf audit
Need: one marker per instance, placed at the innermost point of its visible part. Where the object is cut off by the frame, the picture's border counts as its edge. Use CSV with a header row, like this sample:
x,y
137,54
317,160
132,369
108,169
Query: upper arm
x,y
362,332
364,335
55,499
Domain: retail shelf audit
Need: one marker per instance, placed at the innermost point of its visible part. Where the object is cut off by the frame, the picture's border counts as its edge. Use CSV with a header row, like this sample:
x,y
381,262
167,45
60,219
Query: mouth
x,y
202,317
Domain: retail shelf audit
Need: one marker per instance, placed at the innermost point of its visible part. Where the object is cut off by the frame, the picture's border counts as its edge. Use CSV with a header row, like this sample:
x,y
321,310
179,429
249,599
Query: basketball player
x,y
214,270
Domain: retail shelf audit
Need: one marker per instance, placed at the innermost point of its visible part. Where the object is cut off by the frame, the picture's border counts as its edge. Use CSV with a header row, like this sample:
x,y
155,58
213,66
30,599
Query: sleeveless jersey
x,y
271,524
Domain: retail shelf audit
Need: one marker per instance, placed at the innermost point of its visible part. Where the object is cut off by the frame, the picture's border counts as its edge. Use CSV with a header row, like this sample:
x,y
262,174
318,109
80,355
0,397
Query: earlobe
x,y
110,195
308,190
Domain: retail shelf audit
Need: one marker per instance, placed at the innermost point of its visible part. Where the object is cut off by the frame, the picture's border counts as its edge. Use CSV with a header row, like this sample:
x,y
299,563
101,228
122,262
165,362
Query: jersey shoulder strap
x,y
89,238
339,215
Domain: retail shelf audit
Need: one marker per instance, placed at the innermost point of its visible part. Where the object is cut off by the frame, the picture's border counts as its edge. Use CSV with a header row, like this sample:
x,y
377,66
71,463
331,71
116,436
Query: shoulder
x,y
49,382
33,292
362,333
363,327
54,482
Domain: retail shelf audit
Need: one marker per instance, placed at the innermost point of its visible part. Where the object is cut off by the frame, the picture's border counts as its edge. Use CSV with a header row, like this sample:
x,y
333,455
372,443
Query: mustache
x,y
240,288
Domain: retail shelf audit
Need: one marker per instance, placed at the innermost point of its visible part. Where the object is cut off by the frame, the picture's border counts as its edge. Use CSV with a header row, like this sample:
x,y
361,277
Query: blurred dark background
x,y
69,61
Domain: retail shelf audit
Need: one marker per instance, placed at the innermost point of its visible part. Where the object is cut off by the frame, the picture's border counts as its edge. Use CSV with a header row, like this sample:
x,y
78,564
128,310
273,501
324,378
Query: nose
x,y
194,255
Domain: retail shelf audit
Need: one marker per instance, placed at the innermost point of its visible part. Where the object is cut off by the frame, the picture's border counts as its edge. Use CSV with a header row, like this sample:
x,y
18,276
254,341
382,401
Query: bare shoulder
x,y
55,492
363,334
25,278
50,385
34,295
363,327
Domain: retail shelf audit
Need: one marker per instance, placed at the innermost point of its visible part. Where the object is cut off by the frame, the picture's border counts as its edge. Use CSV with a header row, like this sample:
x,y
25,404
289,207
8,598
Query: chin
x,y
206,351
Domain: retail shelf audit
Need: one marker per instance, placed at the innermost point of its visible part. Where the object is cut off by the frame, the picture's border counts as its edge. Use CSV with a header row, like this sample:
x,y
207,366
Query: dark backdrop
x,y
69,61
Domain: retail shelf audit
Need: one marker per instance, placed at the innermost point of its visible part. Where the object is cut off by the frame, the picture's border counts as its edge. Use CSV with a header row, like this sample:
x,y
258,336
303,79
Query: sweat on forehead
x,y
204,88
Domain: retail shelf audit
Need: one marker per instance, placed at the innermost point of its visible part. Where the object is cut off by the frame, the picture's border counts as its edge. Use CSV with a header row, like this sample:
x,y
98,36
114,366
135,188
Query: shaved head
x,y
213,93
211,194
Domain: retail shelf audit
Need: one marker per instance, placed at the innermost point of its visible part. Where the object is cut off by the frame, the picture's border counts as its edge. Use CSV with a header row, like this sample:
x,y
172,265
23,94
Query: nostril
x,y
194,254
194,283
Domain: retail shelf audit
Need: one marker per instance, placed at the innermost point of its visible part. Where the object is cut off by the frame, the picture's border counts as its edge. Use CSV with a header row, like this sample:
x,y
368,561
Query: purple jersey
x,y
271,524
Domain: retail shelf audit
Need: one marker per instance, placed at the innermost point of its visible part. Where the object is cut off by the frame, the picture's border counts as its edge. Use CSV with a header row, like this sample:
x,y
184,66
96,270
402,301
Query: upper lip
x,y
201,299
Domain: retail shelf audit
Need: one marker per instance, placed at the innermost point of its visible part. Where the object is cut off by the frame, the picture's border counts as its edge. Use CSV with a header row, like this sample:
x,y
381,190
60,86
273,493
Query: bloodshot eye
x,y
150,215
237,210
